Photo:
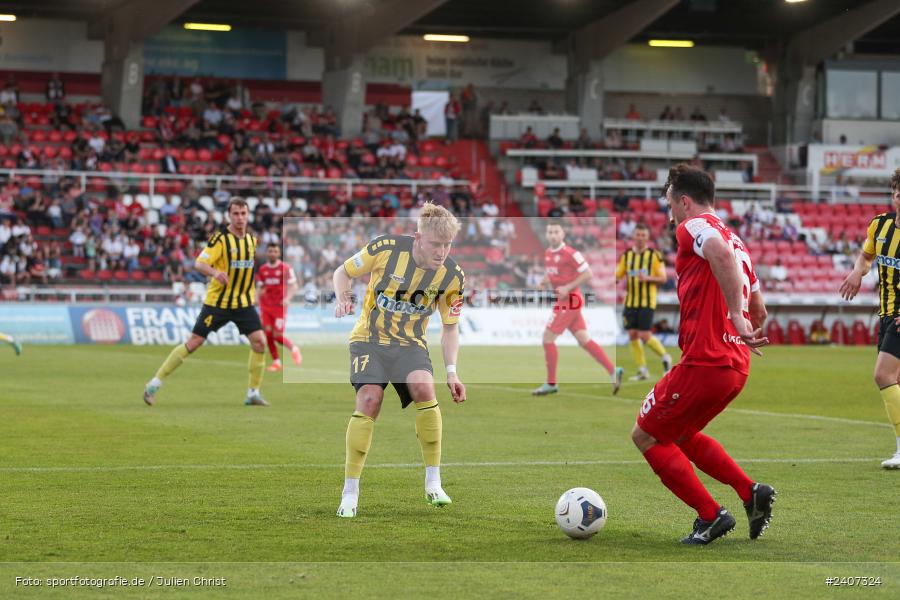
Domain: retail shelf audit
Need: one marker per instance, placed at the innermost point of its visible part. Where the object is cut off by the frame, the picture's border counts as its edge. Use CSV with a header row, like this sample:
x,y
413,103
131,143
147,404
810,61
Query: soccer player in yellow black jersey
x,y
882,246
411,278
229,261
645,270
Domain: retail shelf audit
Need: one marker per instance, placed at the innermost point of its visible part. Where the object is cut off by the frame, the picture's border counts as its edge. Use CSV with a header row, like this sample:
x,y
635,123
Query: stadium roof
x,y
752,24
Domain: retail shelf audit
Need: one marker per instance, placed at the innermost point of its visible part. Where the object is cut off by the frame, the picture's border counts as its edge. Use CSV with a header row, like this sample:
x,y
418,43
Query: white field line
x,y
745,411
475,465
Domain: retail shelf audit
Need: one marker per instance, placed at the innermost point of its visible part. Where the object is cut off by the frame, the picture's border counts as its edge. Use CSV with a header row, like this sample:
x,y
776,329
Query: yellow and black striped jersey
x,y
633,264
235,256
883,241
401,296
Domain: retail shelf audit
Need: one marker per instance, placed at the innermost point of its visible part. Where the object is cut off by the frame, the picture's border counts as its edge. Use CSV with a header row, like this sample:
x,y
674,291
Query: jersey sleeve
x,y
620,267
213,251
869,244
289,277
581,265
700,232
367,259
657,266
450,303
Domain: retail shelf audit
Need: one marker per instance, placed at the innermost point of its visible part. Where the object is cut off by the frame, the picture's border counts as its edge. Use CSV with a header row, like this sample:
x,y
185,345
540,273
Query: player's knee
x,y
194,342
644,335
549,337
368,402
632,334
885,377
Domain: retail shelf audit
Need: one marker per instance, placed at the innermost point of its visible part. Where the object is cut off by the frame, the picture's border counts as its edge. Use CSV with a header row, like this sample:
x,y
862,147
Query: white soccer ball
x,y
581,513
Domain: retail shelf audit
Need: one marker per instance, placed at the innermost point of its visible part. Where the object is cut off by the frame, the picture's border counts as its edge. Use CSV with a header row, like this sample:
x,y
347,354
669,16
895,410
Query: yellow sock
x,y
891,397
428,429
359,438
176,357
637,351
654,344
256,366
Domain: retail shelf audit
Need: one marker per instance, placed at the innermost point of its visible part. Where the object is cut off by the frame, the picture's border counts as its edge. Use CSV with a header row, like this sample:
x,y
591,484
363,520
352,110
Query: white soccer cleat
x,y
150,393
347,509
893,462
437,497
641,376
255,400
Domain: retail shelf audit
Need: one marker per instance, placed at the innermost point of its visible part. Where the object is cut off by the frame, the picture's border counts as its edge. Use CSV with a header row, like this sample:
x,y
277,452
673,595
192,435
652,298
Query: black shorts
x,y
889,337
213,319
374,364
637,318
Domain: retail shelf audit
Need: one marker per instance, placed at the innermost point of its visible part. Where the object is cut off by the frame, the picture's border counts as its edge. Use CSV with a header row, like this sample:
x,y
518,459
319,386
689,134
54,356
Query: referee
x,y
644,270
229,261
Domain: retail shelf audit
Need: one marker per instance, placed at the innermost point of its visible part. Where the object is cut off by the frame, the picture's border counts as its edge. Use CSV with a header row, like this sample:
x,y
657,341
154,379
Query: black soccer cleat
x,y
759,508
706,531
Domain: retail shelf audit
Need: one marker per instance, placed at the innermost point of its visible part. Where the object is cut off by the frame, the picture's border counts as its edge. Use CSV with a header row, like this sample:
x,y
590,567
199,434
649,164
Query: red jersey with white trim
x,y
706,335
274,279
563,265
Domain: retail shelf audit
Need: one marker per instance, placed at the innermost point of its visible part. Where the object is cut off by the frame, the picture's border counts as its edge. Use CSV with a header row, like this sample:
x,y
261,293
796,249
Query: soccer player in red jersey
x,y
722,312
567,271
278,285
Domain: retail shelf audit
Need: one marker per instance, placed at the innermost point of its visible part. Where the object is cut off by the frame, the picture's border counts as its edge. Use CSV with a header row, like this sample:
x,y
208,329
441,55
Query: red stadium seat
x,y
104,275
774,332
839,334
86,274
859,334
796,336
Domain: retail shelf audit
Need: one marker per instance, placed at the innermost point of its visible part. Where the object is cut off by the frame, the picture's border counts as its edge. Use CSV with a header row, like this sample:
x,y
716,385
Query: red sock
x,y
551,357
273,349
284,341
599,355
711,458
675,471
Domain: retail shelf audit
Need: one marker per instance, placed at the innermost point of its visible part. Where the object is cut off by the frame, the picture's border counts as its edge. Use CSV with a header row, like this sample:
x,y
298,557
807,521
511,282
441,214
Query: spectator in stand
x,y
212,116
78,239
9,130
9,96
535,108
27,159
555,141
54,260
620,201
196,96
626,227
678,115
778,272
174,271
584,140
723,116
633,113
5,232
37,267
613,139
698,115
666,114
8,268
468,101
528,139
55,92
451,116
131,254
55,214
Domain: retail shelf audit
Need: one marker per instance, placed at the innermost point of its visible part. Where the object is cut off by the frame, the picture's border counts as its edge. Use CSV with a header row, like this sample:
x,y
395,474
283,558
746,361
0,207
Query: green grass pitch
x,y
96,484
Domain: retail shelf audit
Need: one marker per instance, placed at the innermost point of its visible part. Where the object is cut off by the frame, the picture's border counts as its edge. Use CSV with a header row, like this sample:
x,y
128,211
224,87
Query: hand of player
x,y
457,389
342,308
850,286
753,338
221,277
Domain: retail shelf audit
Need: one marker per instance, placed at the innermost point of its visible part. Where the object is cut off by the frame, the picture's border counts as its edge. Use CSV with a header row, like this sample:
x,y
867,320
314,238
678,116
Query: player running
x,y
228,260
568,271
16,346
411,278
277,284
644,270
882,245
722,312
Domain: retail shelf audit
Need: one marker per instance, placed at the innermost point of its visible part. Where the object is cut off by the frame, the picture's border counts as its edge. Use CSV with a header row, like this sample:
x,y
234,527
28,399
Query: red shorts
x,y
566,318
686,399
273,318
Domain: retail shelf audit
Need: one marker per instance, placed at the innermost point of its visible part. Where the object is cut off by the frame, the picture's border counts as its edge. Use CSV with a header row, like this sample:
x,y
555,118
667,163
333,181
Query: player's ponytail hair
x,y
439,221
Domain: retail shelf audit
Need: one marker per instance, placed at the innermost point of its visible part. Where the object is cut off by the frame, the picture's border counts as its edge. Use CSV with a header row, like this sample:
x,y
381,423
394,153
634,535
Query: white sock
x,y
157,382
351,487
252,391
898,444
643,370
432,477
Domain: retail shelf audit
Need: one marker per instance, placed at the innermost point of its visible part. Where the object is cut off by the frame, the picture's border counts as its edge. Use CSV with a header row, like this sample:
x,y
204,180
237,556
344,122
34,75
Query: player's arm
x,y
210,255
291,287
620,268
583,277
356,266
657,274
342,293
853,281
450,305
757,310
725,269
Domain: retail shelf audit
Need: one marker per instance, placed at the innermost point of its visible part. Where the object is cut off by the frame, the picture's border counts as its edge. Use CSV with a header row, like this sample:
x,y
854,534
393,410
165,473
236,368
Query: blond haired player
x,y
411,278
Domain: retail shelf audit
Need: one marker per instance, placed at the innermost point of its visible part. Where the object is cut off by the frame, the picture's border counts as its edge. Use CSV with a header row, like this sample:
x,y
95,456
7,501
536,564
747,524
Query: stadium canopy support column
x,y
123,31
803,52
586,48
344,90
